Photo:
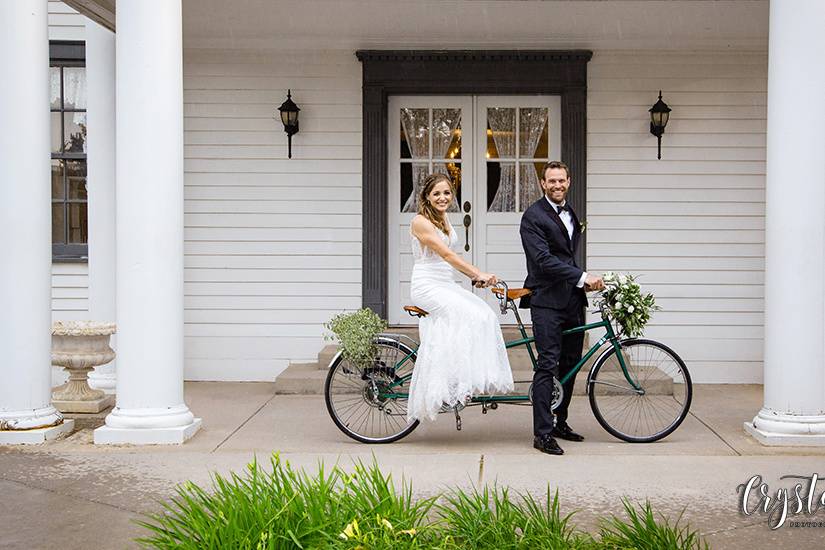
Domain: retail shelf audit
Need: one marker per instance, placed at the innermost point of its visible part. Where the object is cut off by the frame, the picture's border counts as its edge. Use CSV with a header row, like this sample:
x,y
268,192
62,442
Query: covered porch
x,y
221,258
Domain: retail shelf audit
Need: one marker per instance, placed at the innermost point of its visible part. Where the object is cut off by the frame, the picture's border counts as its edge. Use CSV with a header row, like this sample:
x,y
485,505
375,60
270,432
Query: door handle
x,y
467,221
467,206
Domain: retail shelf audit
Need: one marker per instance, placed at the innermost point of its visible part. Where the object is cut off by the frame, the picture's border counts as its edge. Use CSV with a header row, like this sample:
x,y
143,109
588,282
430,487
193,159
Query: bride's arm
x,y
427,234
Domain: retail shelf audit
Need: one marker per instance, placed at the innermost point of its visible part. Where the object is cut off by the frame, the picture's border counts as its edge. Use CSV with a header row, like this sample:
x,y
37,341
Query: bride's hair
x,y
426,209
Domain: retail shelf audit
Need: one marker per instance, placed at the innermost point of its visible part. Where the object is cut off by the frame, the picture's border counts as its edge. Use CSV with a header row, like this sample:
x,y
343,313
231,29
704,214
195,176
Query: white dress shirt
x,y
567,220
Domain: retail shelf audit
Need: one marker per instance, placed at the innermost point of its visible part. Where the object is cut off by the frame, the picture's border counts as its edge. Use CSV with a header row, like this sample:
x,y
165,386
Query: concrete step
x,y
301,380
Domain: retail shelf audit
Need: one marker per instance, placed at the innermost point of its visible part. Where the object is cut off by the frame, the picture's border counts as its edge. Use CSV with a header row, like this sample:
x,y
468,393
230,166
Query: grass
x,y
283,508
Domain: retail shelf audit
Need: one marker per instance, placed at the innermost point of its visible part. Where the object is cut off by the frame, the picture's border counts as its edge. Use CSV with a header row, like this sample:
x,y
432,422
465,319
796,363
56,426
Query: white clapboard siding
x,y
65,23
272,245
70,291
691,224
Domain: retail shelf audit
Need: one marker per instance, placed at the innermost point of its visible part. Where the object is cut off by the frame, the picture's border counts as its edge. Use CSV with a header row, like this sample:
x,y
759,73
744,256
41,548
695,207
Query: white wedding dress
x,y
462,350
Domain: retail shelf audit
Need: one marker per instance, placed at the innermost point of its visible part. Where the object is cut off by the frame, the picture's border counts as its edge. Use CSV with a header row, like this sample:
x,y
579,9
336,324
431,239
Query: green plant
x,y
490,519
643,532
626,304
356,331
283,508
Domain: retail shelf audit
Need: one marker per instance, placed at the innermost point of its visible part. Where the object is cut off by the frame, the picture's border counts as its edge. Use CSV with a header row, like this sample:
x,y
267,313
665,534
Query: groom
x,y
550,235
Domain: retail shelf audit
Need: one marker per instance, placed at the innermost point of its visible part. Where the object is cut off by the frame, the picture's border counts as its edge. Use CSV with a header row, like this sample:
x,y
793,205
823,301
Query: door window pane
x,y
74,124
501,123
74,88
501,186
58,188
447,133
57,132
412,178
533,132
431,139
58,223
529,188
415,124
77,223
509,189
54,87
76,175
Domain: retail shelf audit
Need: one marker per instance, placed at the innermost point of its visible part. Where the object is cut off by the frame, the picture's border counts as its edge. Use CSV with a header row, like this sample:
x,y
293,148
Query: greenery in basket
x,y
625,302
356,331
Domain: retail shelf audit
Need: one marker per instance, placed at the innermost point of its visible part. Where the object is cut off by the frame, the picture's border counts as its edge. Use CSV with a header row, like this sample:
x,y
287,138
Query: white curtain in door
x,y
533,122
417,129
502,122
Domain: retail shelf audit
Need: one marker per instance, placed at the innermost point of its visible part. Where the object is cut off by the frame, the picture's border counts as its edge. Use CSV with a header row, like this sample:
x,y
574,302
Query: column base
x,y
106,435
86,406
775,429
37,435
103,381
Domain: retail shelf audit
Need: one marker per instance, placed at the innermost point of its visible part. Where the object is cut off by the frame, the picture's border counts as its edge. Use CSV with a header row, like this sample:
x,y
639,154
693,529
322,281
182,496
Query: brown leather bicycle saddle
x,y
513,293
414,310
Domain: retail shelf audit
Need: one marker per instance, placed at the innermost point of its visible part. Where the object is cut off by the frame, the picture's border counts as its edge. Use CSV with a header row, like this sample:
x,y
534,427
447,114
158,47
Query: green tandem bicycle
x,y
639,389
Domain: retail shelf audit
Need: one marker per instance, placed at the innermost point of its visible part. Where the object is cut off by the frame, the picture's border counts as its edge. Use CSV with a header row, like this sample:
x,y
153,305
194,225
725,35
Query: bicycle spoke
x,y
647,415
364,401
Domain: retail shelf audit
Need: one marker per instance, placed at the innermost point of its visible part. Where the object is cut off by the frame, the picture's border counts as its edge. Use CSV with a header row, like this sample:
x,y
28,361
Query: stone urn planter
x,y
79,347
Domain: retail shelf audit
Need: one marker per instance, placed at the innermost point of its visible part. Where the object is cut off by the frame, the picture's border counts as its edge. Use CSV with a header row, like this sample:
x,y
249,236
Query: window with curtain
x,y
517,148
67,90
430,143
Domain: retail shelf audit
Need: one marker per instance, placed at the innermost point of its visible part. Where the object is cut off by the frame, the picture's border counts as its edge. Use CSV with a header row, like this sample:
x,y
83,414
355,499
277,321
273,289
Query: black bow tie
x,y
560,209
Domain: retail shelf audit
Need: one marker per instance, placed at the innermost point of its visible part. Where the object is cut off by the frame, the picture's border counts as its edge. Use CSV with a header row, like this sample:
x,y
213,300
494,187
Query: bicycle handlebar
x,y
502,298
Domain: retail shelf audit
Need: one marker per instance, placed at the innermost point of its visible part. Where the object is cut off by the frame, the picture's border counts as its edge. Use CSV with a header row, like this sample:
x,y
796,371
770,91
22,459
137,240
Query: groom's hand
x,y
593,283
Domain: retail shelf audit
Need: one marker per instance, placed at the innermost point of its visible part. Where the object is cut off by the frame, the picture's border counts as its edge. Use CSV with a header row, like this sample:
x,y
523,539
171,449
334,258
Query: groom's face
x,y
555,184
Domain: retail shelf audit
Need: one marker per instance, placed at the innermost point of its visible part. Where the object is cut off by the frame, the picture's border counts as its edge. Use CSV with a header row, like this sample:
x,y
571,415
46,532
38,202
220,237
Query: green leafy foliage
x,y
282,508
623,298
643,532
355,332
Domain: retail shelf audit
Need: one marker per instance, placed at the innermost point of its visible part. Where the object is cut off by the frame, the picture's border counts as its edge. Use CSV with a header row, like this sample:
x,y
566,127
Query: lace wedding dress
x,y
462,350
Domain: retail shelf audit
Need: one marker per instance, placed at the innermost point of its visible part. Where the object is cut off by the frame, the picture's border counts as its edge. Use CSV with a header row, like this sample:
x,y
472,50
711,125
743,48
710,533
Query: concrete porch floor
x,y
72,494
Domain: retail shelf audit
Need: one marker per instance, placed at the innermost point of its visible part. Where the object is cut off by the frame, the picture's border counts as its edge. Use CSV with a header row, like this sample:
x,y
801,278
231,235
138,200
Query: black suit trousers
x,y
556,357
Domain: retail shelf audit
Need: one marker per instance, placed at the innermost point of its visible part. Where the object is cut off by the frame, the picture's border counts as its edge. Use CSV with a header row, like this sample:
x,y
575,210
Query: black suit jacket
x,y
552,271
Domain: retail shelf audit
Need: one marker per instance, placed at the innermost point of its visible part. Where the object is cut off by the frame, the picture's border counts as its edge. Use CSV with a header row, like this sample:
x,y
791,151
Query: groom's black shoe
x,y
563,431
546,444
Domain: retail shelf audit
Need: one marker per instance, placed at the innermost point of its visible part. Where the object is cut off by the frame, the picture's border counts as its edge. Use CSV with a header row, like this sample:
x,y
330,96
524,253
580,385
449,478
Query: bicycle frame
x,y
528,341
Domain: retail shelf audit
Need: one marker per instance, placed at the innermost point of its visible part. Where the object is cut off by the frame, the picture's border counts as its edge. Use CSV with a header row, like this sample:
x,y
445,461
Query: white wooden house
x,y
248,251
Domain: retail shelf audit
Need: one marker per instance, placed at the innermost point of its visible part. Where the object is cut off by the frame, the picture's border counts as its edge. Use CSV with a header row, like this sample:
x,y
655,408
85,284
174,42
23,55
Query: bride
x,y
462,350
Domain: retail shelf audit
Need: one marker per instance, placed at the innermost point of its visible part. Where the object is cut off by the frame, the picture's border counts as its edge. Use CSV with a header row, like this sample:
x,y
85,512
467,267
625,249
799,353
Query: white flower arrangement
x,y
622,297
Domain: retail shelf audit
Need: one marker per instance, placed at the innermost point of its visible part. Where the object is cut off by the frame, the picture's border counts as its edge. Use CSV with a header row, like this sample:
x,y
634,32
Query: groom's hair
x,y
555,164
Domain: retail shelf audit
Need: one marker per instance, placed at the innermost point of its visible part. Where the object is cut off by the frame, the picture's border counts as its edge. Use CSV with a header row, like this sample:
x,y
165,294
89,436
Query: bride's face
x,y
441,196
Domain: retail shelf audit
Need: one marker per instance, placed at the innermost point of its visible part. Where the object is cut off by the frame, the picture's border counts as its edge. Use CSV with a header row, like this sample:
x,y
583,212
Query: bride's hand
x,y
483,280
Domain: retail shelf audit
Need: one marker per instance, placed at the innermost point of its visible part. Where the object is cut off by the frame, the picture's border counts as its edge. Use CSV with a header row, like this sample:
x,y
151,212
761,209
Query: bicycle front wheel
x,y
653,405
369,403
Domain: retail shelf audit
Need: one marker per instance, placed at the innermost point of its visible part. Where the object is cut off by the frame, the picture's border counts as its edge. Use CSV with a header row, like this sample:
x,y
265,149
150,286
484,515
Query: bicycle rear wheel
x,y
369,403
650,412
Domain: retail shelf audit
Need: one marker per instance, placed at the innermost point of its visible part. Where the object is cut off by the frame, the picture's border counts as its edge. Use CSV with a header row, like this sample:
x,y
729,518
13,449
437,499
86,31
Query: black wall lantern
x,y
659,114
289,116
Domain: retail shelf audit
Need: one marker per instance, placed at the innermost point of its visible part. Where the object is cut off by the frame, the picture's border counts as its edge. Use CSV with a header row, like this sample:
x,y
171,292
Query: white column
x,y
25,223
149,186
794,408
100,149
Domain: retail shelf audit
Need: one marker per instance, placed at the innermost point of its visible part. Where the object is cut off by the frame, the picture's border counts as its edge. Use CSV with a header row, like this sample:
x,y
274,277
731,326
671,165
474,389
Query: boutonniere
x,y
583,226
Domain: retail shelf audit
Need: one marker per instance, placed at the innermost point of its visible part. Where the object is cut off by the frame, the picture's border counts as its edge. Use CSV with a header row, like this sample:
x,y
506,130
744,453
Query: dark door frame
x,y
470,72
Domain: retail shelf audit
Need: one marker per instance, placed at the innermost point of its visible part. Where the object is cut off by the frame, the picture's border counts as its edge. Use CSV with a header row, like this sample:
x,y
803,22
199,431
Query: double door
x,y
493,149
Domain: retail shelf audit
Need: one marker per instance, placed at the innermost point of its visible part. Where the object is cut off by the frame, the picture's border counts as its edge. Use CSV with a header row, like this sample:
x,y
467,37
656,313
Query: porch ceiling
x,y
472,24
